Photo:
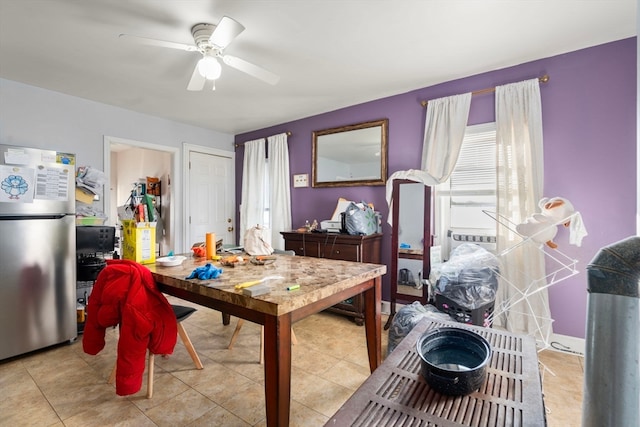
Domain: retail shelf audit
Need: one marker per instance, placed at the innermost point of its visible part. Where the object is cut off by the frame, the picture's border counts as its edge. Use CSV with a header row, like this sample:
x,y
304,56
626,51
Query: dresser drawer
x,y
343,252
303,248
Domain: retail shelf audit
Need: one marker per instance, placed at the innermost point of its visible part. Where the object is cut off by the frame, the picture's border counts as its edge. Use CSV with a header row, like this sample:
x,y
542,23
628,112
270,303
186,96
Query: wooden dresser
x,y
338,246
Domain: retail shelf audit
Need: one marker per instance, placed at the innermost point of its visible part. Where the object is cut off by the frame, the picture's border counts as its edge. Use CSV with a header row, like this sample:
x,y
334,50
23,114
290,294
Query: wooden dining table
x,y
322,283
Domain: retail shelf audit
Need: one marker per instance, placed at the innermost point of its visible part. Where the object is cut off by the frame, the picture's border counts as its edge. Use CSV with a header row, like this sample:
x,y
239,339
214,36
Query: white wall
x,y
39,118
135,165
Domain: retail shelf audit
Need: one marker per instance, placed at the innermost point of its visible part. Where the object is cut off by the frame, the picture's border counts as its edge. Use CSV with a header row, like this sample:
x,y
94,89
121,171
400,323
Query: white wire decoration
x,y
558,267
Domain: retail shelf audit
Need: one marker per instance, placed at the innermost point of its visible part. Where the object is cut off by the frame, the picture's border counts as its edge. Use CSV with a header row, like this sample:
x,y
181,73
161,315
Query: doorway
x,y
129,162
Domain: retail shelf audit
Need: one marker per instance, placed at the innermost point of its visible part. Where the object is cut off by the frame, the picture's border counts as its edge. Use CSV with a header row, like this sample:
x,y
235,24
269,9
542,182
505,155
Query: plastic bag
x,y
256,242
360,219
407,318
470,277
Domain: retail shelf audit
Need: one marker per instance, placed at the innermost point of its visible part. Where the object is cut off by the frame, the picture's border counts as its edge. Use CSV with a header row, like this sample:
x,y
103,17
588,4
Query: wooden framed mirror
x,y
351,155
411,242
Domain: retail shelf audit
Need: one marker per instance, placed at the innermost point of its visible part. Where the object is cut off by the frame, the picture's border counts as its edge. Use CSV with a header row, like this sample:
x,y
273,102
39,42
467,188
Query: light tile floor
x,y
62,386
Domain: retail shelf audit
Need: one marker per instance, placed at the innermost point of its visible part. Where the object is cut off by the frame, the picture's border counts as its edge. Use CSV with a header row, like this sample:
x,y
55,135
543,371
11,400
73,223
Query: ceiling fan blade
x,y
251,69
197,80
226,30
161,43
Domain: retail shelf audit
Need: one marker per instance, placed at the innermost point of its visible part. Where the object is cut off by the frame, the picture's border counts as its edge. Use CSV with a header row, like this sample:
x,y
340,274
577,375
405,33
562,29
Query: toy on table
x,y
205,272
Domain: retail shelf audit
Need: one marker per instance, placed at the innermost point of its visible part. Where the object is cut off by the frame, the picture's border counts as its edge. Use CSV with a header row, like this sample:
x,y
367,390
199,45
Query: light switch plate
x,y
301,180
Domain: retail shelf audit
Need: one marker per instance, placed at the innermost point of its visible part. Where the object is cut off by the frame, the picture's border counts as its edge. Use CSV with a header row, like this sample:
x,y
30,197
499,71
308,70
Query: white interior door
x,y
211,196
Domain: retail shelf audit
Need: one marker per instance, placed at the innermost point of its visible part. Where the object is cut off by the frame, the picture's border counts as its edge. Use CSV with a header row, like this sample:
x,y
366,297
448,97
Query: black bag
x,y
360,220
405,277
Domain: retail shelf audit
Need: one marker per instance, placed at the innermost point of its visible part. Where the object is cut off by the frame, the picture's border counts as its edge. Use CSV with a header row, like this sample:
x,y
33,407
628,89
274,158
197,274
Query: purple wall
x,y
589,116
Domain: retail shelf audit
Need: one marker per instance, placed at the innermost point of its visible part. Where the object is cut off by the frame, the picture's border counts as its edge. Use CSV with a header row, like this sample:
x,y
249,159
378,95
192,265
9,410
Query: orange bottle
x,y
210,243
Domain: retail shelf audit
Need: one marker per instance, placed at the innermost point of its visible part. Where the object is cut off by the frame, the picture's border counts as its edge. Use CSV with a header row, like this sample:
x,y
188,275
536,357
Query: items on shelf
x,y
153,186
89,183
144,209
90,180
142,205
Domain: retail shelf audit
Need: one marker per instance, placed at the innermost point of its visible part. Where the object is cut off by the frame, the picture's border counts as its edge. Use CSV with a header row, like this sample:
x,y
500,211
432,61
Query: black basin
x,y
454,360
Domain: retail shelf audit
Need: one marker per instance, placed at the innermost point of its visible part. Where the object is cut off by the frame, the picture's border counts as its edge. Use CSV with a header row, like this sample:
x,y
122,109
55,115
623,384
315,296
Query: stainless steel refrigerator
x,y
37,249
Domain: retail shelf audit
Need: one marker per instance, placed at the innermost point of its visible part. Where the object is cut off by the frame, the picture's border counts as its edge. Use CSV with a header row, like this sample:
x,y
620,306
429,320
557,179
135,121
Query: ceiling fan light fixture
x,y
209,68
210,40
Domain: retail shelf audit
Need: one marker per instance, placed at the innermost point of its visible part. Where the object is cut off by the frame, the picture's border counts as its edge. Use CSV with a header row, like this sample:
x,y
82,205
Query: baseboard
x,y
386,307
567,344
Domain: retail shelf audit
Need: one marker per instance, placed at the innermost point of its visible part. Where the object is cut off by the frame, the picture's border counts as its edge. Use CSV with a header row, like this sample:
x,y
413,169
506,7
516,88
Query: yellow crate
x,y
139,241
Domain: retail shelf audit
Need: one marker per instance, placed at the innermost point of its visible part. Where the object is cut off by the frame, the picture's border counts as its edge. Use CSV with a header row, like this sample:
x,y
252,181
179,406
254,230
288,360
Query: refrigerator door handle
x,y
28,217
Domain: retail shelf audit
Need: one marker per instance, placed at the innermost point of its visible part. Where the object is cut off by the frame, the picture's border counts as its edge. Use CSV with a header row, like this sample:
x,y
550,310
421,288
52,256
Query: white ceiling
x,y
328,53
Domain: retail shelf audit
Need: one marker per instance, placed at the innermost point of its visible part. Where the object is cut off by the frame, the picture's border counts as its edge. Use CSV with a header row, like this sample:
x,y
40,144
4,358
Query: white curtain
x,y
279,189
445,125
522,303
253,186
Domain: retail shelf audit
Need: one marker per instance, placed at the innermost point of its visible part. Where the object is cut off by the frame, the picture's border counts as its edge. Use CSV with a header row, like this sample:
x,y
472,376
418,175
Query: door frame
x,y
175,239
187,149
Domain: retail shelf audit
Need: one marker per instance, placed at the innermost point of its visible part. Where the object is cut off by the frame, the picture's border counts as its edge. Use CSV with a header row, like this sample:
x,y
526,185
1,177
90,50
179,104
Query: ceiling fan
x,y
210,41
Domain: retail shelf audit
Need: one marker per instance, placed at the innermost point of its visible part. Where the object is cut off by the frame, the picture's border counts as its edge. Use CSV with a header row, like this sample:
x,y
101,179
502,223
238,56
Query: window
x,y
461,201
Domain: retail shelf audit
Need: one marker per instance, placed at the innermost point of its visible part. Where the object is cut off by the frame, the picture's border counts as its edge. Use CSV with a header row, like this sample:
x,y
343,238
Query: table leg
x,y
372,301
277,369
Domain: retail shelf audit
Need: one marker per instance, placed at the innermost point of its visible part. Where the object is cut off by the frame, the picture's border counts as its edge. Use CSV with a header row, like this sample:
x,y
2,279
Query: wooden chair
x,y
181,313
234,337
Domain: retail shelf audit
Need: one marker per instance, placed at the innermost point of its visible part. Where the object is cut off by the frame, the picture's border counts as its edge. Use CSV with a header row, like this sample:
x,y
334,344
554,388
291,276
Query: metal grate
x,y
396,394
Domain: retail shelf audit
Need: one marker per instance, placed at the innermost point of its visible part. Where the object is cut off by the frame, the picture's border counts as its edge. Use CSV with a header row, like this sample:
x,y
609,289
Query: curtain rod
x,y
543,79
242,143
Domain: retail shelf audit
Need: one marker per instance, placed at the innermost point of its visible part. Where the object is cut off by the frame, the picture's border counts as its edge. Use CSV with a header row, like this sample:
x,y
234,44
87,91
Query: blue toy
x,y
207,271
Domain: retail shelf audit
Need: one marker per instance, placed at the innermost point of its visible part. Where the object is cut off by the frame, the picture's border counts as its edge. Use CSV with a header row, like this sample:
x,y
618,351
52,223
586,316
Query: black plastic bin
x,y
480,316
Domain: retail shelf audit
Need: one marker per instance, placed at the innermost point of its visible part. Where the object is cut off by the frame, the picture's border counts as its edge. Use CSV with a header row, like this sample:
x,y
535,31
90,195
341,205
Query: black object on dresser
x,y
338,246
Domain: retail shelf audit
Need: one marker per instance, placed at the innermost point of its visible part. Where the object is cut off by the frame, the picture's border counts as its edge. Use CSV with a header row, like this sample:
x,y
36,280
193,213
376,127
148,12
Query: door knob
x,y
229,229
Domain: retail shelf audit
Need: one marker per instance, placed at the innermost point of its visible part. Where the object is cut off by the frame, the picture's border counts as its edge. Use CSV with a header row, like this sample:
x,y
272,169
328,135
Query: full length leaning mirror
x,y
351,155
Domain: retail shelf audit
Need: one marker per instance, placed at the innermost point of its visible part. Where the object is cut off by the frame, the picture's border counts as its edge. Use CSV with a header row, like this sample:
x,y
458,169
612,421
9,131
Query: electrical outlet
x,y
301,180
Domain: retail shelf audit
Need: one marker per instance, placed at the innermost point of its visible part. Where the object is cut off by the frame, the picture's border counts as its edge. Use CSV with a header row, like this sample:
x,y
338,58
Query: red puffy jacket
x,y
125,294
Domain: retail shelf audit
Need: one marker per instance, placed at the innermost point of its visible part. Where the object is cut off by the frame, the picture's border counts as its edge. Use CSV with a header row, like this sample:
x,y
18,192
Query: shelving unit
x,y
140,190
